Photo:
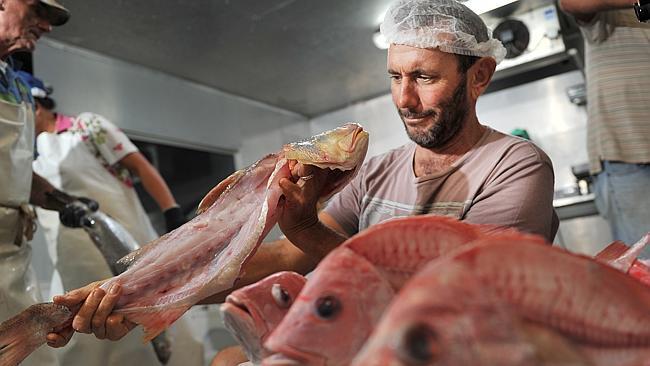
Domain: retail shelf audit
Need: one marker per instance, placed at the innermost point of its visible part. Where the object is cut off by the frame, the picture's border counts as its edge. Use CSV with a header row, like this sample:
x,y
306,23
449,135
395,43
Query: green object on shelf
x,y
520,132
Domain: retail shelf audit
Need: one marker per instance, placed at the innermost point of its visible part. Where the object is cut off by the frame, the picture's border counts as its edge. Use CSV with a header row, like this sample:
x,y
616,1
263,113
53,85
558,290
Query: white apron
x,y
18,285
67,162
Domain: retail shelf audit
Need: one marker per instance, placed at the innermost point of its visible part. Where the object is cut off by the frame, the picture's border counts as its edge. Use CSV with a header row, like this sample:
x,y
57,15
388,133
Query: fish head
x,y
333,315
50,314
440,321
252,312
343,149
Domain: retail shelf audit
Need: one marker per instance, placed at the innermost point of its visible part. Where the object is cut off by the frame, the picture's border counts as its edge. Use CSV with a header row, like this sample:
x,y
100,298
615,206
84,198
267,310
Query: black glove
x,y
173,218
74,213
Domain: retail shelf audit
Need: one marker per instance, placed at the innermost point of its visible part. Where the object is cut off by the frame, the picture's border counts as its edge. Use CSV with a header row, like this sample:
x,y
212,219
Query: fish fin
x,y
13,353
612,251
620,256
641,271
156,321
15,345
216,192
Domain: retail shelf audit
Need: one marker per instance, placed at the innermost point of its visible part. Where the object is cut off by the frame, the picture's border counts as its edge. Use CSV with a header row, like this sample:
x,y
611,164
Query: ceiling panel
x,y
305,56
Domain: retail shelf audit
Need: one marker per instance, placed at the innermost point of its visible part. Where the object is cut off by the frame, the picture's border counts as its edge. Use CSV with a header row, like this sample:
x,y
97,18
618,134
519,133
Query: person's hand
x,y
173,218
94,316
73,214
298,206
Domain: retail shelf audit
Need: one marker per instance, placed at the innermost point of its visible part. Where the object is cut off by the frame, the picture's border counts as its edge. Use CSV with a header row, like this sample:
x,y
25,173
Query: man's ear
x,y
480,75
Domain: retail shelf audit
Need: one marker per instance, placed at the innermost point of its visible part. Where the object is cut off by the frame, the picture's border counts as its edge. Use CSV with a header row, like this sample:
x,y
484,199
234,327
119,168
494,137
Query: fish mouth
x,y
355,139
243,317
296,359
240,323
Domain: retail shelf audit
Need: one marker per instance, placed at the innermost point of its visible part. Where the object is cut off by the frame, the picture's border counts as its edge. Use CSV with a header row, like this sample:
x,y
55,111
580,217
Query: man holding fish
x,y
441,59
22,23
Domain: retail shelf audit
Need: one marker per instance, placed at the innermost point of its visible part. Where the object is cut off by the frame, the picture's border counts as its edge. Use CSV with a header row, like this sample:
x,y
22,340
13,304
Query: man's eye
x,y
395,77
425,79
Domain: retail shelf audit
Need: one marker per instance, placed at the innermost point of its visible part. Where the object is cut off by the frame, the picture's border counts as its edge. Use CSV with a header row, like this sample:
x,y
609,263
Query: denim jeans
x,y
623,198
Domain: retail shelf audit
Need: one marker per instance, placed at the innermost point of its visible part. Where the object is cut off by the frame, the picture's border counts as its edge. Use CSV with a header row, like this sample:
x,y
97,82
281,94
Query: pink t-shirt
x,y
503,180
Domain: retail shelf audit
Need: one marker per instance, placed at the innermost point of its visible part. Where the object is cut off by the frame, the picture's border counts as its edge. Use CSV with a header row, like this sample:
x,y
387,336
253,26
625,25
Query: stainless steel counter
x,y
575,206
582,229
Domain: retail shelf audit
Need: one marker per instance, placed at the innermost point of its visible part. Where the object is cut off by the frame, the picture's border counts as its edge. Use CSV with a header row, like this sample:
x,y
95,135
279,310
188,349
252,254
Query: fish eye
x,y
416,346
328,307
281,296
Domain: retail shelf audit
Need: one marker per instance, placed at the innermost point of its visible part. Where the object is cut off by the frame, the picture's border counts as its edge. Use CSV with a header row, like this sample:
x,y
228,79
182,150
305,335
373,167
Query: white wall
x,y
155,106
541,107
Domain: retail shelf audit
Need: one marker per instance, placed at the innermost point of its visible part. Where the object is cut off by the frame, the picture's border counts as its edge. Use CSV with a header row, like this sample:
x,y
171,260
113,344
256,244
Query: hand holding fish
x,y
95,315
298,206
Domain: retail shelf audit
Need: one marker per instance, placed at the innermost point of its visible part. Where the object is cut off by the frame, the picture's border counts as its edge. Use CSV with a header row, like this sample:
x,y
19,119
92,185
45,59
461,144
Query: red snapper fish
x,y
206,255
25,332
502,301
252,312
350,288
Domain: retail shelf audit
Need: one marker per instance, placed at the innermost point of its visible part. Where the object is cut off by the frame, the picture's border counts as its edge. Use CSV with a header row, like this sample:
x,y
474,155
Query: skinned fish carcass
x,y
205,256
114,243
252,312
350,288
476,306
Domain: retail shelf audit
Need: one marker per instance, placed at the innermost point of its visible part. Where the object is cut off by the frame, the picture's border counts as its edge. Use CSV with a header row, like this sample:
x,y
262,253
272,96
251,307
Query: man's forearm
x,y
317,240
40,186
590,7
152,181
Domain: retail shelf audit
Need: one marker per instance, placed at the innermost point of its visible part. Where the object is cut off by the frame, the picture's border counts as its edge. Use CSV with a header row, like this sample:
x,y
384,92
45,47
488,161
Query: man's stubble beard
x,y
452,120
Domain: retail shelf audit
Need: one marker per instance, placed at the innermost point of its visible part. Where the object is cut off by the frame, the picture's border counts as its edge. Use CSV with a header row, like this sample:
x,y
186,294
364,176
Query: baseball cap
x,y
55,13
37,87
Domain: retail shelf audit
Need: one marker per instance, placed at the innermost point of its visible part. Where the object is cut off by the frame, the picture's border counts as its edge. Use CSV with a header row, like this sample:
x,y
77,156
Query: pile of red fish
x,y
429,290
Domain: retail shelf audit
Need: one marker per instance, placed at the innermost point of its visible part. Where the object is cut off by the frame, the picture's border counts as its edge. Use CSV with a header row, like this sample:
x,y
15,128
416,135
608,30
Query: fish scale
x,y
566,309
396,249
405,245
590,289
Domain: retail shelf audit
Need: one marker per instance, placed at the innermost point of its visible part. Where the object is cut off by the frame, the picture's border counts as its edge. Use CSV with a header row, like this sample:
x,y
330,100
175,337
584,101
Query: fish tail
x,y
14,348
155,321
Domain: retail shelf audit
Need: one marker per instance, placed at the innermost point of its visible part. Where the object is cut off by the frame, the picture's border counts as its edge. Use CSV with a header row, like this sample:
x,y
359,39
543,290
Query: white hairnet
x,y
444,24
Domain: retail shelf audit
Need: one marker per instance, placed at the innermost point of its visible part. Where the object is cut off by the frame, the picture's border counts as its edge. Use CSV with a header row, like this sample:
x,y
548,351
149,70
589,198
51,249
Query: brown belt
x,y
26,226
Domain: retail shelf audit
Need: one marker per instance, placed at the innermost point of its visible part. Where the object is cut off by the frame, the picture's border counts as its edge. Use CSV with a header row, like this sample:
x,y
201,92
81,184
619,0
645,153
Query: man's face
x,y
429,92
22,22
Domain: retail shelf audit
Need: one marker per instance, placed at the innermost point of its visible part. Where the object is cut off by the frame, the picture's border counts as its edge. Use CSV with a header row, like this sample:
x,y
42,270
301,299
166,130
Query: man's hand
x,y
73,213
95,315
298,207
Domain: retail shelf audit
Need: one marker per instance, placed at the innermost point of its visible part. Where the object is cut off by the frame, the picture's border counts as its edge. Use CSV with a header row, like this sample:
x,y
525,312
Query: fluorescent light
x,y
483,6
380,41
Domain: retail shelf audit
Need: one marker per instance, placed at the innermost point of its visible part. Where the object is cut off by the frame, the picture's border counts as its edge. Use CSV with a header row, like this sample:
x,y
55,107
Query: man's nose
x,y
407,95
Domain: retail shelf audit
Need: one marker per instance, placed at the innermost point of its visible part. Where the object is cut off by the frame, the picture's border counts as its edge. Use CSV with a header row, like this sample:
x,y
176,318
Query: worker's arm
x,y
152,182
585,10
38,197
71,209
157,188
